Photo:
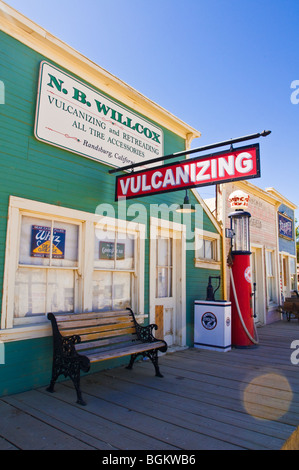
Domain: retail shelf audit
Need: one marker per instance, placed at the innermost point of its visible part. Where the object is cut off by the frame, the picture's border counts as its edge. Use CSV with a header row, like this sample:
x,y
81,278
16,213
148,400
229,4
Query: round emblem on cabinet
x,y
209,321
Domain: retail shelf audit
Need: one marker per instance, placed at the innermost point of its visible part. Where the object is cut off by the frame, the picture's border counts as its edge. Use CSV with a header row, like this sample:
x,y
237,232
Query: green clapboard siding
x,y
34,170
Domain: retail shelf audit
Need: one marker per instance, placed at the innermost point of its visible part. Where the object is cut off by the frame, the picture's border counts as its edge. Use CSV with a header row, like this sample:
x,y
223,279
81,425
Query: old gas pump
x,y
243,329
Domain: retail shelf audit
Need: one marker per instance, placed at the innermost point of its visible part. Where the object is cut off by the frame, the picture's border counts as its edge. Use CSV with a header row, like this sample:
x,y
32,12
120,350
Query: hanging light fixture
x,y
186,207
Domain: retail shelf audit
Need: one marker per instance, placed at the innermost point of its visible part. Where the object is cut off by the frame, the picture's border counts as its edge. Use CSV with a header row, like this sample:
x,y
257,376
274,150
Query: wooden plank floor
x,y
242,399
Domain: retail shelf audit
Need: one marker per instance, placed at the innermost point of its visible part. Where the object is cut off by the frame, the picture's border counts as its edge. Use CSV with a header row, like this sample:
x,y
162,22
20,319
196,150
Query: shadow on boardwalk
x,y
242,399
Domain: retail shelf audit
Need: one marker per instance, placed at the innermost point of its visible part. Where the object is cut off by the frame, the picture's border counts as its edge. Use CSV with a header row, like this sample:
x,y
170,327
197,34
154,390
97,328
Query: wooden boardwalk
x,y
242,399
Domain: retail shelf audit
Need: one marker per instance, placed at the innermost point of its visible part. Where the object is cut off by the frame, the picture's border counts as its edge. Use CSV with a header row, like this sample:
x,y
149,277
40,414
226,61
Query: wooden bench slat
x,y
107,334
90,315
104,348
93,322
110,347
95,329
123,351
105,342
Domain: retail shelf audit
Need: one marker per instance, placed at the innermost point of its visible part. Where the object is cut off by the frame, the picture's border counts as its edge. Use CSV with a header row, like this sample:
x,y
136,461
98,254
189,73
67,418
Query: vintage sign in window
x,y
48,243
107,250
41,246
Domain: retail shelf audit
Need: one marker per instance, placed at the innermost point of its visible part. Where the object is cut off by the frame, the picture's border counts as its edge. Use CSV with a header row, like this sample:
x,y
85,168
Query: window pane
x,y
292,265
60,291
270,289
162,252
269,263
200,249
125,251
121,290
35,246
30,292
208,249
162,283
34,241
66,243
104,248
111,290
102,291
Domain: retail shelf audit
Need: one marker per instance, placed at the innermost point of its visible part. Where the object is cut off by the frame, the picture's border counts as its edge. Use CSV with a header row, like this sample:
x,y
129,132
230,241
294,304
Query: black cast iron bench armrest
x,y
145,332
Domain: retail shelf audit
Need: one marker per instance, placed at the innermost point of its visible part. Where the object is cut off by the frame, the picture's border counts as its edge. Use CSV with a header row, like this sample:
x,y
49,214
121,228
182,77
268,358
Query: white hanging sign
x,y
76,117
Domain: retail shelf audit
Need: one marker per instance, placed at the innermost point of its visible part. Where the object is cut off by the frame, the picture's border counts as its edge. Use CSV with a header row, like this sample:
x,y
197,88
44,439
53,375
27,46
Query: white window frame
x,y
76,269
294,273
284,254
87,222
207,263
118,227
274,301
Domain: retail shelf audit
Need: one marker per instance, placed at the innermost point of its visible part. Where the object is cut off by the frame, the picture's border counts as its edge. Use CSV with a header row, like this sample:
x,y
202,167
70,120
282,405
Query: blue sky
x,y
223,66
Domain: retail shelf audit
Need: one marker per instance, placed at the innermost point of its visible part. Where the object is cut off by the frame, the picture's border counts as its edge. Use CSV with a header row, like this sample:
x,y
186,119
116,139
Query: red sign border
x,y
194,185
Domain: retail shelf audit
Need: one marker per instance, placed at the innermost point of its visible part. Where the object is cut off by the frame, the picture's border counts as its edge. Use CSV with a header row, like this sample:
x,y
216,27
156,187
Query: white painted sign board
x,y
74,116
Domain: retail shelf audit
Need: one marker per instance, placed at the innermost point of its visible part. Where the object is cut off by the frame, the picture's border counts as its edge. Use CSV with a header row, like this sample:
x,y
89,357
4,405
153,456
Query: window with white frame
x,y
164,267
207,249
270,273
114,269
47,270
293,274
64,260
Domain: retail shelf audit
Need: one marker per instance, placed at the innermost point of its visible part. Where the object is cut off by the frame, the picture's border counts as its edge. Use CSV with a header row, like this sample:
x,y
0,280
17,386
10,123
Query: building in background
x,y
272,241
286,244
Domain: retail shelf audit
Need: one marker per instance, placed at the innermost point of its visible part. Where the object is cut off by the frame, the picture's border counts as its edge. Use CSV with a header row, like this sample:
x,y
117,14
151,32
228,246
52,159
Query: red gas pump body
x,y
241,272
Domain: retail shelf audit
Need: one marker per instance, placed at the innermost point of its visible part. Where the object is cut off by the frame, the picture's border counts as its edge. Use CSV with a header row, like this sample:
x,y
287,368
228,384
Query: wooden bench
x,y
80,339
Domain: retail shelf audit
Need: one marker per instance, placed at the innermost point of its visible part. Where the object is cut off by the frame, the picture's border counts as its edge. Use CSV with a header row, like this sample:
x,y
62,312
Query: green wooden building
x,y
66,245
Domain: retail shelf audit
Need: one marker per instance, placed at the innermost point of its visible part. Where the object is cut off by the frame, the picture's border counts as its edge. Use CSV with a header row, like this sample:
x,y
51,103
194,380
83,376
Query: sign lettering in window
x,y
41,242
107,250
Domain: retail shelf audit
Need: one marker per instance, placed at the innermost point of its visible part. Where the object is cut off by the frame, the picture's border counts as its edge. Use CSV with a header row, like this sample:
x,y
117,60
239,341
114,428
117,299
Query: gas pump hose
x,y
254,341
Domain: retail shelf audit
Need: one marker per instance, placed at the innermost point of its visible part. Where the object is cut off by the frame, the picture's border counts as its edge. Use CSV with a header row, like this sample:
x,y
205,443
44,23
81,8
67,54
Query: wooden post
x,y
159,334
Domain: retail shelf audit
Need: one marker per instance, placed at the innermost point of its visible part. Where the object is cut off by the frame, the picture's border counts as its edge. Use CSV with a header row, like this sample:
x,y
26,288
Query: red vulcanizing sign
x,y
237,164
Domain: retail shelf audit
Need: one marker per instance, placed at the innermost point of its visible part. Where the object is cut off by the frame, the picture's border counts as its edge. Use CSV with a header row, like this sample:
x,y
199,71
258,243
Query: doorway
x,y
285,276
258,302
167,281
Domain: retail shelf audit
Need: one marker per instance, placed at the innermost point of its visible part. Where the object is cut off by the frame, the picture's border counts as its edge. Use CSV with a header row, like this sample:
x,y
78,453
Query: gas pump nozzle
x,y
210,289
